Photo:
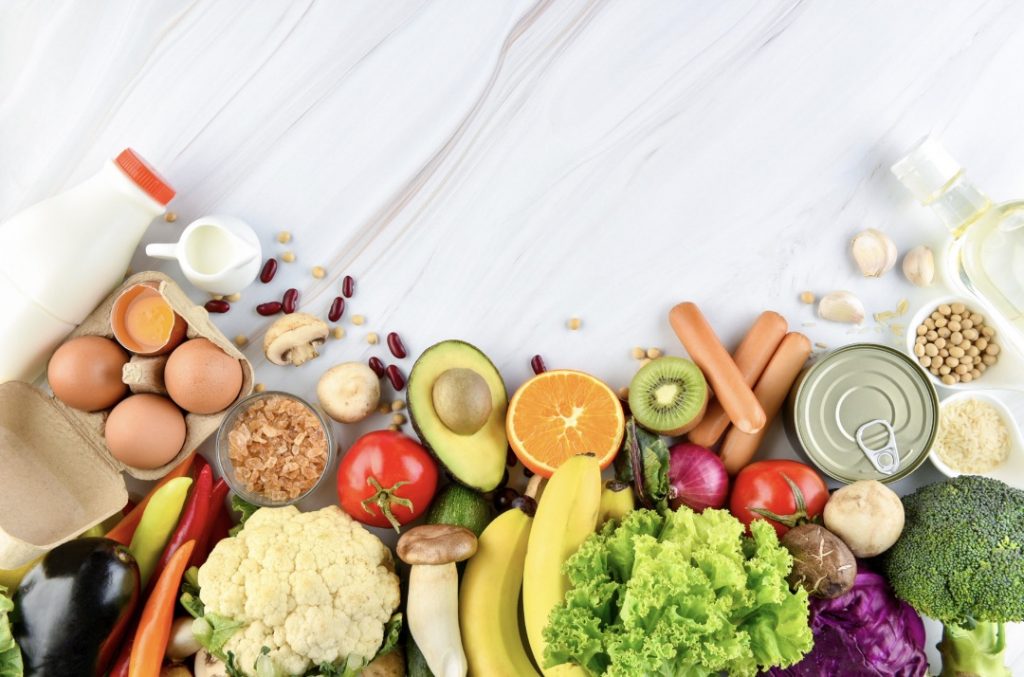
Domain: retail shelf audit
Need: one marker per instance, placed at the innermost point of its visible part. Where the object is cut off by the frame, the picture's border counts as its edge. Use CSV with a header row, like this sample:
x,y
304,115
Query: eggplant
x,y
71,610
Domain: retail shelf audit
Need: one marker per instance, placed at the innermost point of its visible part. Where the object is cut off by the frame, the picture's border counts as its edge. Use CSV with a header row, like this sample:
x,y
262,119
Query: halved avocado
x,y
478,459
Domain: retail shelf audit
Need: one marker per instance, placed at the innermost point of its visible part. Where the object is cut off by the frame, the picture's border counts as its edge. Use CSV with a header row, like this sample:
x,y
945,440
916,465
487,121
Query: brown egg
x,y
202,378
145,431
85,373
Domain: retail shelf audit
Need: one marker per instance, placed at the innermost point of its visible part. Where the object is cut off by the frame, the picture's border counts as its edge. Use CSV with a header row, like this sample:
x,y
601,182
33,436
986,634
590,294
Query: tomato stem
x,y
799,516
384,498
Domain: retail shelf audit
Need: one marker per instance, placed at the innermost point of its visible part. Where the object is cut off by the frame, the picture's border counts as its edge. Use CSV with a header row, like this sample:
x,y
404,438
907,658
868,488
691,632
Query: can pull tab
x,y
885,459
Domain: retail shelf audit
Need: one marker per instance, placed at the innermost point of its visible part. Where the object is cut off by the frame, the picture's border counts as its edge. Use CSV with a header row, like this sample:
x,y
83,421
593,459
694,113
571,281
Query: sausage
x,y
771,390
751,357
707,351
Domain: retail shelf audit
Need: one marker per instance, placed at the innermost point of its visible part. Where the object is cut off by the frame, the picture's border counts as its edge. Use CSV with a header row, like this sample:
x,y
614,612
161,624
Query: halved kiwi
x,y
668,395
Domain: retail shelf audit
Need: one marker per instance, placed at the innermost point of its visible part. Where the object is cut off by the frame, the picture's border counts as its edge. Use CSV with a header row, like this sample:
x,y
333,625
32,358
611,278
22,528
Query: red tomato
x,y
763,486
386,479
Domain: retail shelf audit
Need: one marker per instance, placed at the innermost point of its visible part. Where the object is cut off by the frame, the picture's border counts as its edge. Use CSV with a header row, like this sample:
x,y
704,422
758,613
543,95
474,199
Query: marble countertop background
x,y
487,170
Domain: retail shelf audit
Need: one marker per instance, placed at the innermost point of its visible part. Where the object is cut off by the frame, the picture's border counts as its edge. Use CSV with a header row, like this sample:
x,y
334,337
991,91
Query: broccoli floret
x,y
961,556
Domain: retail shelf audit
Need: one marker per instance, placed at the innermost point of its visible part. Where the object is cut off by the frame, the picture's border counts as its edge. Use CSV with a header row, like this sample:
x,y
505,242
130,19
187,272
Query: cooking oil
x,y
984,256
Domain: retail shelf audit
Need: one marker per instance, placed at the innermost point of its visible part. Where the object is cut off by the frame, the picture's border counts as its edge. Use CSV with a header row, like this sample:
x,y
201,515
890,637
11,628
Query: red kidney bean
x,y
269,270
396,346
394,375
290,301
217,306
537,364
337,309
268,309
348,286
377,366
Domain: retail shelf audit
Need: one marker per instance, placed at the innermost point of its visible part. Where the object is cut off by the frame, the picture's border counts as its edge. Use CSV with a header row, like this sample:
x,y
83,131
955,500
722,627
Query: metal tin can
x,y
864,412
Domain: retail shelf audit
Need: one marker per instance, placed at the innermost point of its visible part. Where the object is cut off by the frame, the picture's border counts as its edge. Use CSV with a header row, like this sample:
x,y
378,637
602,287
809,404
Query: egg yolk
x,y
149,321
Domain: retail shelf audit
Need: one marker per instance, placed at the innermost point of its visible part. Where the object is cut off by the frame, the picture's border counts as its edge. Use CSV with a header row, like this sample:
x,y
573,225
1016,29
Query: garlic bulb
x,y
874,252
919,266
841,306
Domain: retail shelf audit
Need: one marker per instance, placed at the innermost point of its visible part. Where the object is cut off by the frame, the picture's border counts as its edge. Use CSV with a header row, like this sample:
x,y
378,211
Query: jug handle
x,y
163,251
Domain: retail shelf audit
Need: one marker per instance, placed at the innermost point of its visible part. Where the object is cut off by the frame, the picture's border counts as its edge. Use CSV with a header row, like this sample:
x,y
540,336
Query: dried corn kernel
x,y
288,257
339,332
284,237
319,272
358,320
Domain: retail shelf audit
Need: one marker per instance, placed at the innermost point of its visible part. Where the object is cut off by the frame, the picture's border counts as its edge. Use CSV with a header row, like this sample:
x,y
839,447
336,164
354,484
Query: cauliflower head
x,y
307,589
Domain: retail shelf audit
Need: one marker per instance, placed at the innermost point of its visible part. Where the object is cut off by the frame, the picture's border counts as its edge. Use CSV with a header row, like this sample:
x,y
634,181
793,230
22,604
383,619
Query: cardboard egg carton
x,y
58,477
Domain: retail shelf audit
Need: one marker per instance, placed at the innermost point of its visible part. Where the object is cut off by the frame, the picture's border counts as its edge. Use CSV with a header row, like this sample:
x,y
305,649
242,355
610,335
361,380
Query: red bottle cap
x,y
144,176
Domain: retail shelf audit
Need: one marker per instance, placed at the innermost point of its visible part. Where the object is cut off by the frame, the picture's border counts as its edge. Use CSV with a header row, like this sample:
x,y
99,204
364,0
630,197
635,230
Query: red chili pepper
x,y
125,529
203,543
194,517
124,656
222,524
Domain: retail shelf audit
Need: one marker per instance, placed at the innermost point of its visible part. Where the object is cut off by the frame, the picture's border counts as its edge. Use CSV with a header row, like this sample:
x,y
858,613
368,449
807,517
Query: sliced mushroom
x,y
433,602
294,339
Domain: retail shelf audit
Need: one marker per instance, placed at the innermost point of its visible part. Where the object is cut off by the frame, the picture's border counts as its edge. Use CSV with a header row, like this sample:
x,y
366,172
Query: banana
x,y
489,599
616,501
566,514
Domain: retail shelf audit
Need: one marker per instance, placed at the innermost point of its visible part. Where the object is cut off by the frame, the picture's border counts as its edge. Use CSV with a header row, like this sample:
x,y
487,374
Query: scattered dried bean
x,y
269,308
269,270
537,364
217,306
394,375
377,365
337,309
290,301
348,286
396,346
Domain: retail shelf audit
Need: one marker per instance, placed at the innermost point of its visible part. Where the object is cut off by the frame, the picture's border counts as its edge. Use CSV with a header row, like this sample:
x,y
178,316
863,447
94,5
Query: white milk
x,y
61,257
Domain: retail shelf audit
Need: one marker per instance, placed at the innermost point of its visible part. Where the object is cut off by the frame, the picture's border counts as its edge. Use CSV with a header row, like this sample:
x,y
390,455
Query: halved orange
x,y
562,413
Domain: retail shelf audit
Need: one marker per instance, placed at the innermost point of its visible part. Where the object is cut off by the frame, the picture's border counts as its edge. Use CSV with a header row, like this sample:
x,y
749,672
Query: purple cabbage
x,y
865,633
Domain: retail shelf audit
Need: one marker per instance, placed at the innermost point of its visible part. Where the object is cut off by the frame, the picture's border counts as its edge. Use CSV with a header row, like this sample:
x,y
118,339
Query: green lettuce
x,y
679,594
10,655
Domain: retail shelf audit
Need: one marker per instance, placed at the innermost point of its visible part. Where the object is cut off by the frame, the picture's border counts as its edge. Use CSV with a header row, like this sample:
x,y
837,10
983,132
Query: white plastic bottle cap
x,y
927,169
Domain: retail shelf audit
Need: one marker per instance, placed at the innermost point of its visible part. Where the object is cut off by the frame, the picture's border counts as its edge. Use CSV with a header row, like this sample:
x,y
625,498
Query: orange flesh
x,y
563,413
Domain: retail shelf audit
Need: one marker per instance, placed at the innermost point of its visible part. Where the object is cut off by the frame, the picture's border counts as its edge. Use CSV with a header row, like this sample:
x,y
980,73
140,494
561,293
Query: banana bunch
x,y
522,550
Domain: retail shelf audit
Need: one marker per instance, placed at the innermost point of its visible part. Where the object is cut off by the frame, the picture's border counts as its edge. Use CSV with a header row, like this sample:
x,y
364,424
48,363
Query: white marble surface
x,y
488,169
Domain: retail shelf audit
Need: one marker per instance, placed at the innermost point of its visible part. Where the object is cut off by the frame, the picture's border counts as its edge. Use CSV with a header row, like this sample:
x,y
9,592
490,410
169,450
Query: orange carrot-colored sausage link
x,y
706,350
751,357
150,643
771,390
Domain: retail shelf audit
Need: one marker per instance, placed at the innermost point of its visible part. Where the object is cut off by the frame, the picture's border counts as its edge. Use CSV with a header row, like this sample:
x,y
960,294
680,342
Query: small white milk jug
x,y
218,254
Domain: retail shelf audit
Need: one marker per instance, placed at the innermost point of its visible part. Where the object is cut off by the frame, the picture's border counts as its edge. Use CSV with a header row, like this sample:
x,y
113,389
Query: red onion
x,y
697,477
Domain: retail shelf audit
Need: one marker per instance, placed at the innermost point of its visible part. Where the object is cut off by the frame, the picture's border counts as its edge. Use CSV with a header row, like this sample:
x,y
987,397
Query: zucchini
x,y
462,507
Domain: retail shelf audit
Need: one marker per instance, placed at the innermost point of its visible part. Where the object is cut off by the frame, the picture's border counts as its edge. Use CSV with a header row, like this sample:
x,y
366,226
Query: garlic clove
x,y
919,266
841,306
874,252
